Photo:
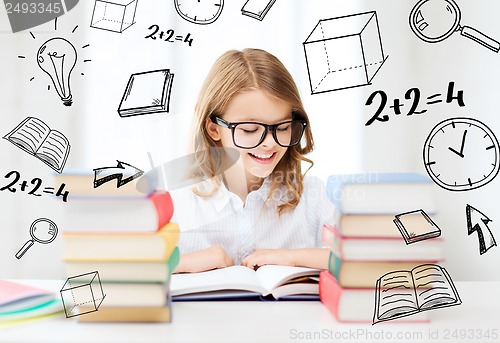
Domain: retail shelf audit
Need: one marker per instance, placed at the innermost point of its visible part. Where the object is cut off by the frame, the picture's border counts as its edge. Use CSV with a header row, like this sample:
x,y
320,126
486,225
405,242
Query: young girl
x,y
262,210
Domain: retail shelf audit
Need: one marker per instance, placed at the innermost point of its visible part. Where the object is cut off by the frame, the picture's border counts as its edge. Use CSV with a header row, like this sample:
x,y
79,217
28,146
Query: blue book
x,y
381,193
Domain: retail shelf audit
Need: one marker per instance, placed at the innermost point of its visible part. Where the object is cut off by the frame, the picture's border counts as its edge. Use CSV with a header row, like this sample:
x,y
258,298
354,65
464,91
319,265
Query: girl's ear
x,y
212,130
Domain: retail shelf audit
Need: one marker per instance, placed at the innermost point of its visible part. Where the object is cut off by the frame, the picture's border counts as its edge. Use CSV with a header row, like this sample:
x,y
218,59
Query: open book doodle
x,y
405,292
36,138
416,226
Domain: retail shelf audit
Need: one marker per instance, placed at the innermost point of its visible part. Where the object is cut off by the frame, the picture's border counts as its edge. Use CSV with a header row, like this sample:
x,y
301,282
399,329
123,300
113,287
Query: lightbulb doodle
x,y
57,57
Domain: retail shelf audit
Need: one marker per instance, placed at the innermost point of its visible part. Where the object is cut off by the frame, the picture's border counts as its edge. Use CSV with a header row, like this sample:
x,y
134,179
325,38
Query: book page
x,y
433,286
230,278
273,276
395,295
29,134
54,150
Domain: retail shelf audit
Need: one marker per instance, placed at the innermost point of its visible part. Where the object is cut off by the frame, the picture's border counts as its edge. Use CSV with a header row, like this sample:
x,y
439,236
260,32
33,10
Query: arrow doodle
x,y
123,172
477,221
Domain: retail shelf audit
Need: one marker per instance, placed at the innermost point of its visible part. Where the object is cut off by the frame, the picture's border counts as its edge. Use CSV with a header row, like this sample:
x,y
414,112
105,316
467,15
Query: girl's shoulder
x,y
313,182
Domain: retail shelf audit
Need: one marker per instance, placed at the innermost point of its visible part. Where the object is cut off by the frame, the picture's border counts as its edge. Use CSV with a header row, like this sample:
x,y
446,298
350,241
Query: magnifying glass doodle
x,y
435,20
43,231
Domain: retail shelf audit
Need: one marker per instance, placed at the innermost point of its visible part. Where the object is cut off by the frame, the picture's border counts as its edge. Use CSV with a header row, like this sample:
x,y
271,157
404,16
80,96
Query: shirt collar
x,y
223,196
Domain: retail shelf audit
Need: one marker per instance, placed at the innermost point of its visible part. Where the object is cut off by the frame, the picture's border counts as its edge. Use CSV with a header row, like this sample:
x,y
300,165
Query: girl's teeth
x,y
262,156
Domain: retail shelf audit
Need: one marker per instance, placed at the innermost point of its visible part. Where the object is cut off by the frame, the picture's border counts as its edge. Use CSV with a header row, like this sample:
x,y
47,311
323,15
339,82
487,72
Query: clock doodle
x,y
461,154
199,11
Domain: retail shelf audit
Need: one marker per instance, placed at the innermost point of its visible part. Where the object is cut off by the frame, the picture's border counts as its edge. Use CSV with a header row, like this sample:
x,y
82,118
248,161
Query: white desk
x,y
251,321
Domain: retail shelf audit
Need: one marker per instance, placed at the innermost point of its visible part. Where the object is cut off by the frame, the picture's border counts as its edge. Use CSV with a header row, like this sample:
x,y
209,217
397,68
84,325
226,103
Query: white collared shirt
x,y
240,229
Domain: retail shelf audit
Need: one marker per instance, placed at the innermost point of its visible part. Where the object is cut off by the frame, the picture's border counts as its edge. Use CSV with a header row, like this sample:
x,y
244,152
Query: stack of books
x,y
384,224
119,249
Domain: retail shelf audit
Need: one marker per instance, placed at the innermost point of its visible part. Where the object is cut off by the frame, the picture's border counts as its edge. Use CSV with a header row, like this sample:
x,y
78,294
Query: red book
x,y
353,305
380,248
118,215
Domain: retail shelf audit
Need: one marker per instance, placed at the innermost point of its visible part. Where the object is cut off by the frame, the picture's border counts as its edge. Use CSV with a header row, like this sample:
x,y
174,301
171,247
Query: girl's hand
x,y
283,257
303,257
202,260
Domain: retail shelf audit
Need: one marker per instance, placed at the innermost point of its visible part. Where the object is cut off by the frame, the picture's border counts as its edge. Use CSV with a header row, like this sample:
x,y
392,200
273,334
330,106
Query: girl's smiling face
x,y
254,106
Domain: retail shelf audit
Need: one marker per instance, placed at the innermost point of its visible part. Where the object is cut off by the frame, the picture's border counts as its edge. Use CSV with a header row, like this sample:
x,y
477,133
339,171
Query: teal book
x,y
381,193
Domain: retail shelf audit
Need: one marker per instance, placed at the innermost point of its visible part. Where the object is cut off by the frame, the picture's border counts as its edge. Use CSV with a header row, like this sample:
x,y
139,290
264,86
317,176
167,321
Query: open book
x,y
402,293
269,282
36,138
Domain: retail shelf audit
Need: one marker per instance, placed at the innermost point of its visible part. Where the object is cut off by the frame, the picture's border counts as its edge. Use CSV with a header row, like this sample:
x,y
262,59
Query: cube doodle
x,y
113,15
84,289
344,52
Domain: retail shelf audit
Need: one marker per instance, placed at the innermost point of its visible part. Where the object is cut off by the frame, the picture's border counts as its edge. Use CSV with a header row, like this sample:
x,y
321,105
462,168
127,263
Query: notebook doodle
x,y
257,9
146,93
416,226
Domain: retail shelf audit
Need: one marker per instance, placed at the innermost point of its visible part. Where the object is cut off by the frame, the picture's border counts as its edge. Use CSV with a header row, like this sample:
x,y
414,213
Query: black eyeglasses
x,y
248,135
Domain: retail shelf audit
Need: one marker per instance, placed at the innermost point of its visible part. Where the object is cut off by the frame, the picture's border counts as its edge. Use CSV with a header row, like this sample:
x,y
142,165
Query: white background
x,y
99,136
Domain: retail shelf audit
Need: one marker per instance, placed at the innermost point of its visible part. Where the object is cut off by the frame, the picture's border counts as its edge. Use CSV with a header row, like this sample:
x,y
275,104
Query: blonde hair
x,y
238,71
